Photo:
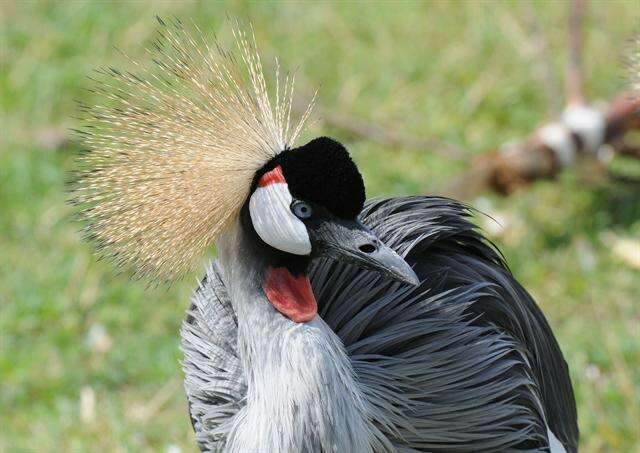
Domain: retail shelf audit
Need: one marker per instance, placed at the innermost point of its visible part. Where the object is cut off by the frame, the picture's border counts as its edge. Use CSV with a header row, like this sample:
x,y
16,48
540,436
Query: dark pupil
x,y
302,209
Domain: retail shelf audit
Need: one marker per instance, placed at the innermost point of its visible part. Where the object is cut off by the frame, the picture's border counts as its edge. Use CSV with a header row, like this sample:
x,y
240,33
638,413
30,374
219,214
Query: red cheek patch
x,y
291,296
272,177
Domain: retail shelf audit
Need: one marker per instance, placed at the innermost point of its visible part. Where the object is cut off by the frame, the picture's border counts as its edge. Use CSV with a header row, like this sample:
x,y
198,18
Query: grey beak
x,y
353,242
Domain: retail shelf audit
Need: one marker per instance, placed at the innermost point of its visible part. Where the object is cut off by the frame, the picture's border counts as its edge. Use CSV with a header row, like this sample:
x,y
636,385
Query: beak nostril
x,y
367,248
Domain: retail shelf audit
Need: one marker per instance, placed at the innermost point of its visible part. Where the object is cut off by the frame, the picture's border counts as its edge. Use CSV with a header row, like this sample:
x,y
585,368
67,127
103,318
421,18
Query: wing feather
x,y
214,379
463,362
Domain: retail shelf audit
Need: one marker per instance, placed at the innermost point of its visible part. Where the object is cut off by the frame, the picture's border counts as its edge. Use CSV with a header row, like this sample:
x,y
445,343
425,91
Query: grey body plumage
x,y
463,362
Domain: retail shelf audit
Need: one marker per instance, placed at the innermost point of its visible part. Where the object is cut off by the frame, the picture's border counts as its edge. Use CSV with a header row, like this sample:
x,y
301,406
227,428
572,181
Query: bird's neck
x,y
301,390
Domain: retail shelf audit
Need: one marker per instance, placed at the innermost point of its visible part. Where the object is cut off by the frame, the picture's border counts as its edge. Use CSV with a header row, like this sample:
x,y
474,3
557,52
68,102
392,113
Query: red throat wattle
x,y
291,296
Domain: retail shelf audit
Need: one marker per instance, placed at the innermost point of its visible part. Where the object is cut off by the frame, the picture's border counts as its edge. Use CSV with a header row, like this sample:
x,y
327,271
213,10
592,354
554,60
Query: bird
x,y
327,322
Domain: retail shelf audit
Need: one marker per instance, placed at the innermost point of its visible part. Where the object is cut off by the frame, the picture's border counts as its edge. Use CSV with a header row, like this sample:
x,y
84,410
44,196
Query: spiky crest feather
x,y
173,148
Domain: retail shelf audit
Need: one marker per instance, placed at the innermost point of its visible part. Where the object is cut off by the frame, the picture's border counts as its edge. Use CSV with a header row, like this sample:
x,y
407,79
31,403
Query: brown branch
x,y
508,169
544,155
543,59
575,90
625,149
624,115
387,137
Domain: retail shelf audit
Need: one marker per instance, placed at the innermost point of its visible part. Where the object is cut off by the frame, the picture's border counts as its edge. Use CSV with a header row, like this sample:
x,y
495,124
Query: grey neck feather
x,y
301,390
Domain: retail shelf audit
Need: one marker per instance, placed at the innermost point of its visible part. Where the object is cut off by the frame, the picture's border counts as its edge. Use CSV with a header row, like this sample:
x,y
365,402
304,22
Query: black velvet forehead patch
x,y
322,172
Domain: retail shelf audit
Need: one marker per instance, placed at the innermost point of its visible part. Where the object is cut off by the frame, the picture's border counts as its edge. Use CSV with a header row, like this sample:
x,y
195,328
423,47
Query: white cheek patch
x,y
270,209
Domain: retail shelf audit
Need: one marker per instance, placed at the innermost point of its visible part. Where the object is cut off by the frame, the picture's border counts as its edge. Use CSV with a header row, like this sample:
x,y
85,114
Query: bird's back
x,y
464,362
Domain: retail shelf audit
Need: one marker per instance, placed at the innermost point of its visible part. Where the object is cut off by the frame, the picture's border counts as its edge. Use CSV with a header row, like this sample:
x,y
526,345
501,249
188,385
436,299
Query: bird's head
x,y
182,149
305,204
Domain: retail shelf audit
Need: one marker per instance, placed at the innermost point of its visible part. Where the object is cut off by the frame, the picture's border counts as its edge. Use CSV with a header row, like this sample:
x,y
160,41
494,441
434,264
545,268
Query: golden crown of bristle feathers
x,y
173,149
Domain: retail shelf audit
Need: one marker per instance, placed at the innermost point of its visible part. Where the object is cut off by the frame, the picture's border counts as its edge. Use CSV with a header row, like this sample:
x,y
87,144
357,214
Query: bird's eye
x,y
301,209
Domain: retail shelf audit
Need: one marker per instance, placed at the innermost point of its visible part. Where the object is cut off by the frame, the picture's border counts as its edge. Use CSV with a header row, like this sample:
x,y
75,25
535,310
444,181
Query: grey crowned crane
x,y
327,323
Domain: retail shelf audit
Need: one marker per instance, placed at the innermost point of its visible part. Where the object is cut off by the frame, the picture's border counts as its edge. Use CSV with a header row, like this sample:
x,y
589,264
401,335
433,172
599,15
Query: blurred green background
x,y
89,361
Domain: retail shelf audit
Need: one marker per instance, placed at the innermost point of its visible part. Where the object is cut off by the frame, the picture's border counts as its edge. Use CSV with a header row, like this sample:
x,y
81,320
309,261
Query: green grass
x,y
457,71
